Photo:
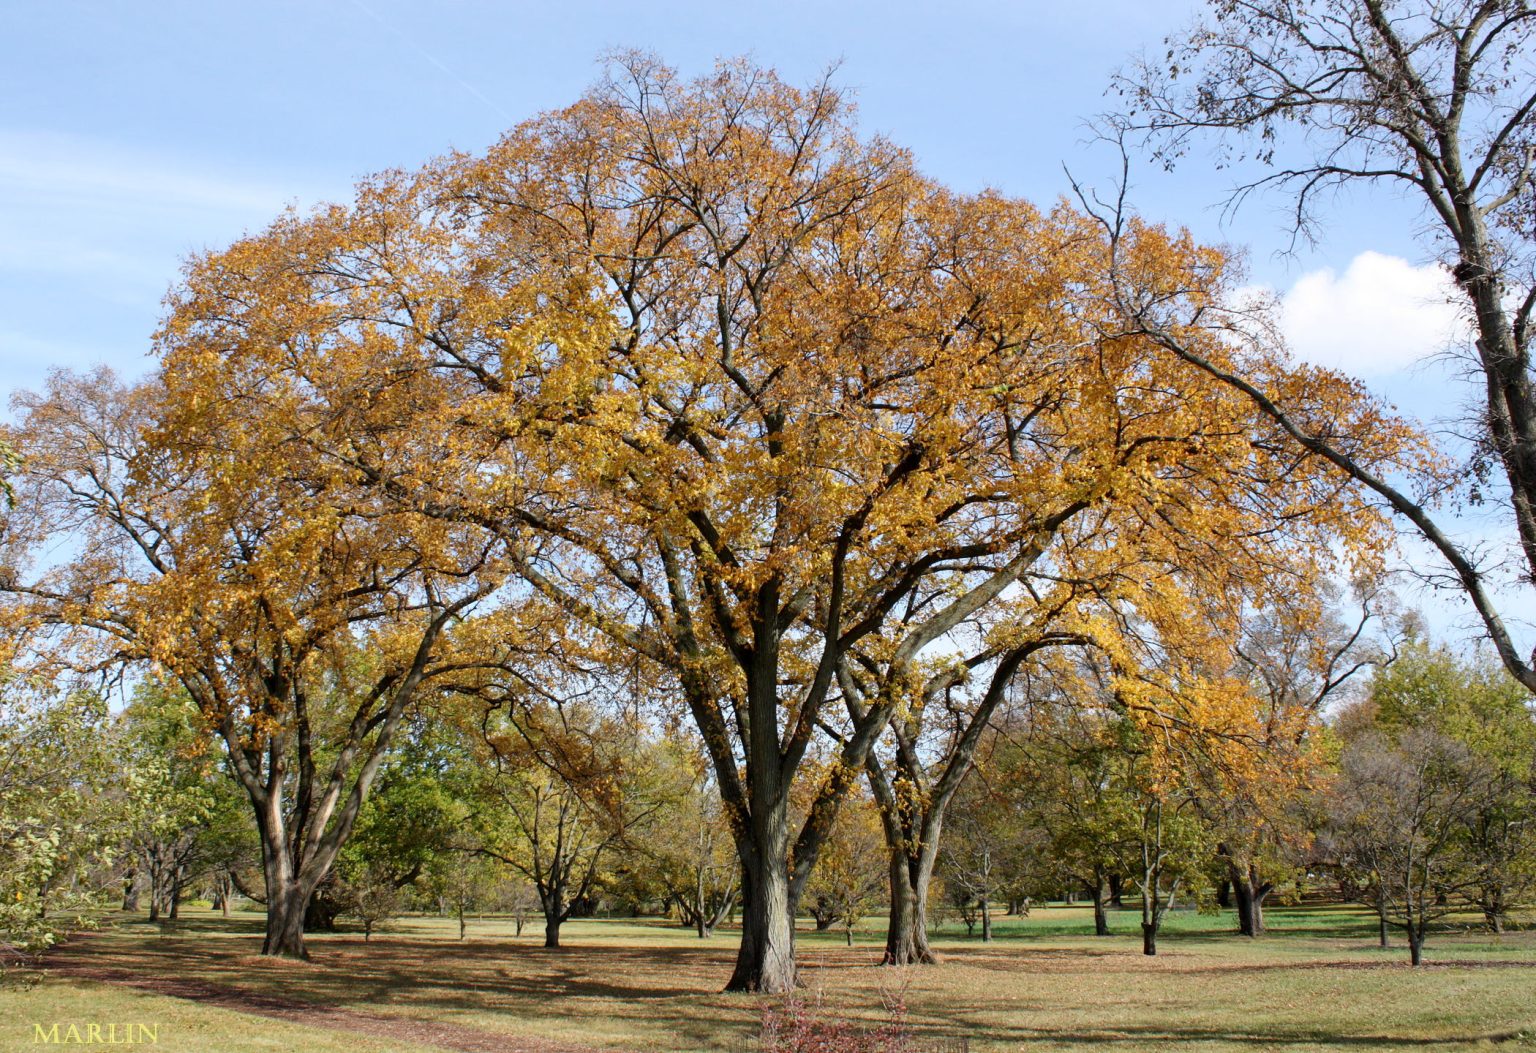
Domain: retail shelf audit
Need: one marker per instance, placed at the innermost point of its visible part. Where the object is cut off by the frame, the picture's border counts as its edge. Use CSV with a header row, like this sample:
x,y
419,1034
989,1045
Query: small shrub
x,y
799,1025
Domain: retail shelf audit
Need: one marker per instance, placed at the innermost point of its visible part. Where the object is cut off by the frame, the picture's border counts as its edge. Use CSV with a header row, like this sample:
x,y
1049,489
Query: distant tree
x,y
1299,655
850,875
372,894
63,813
1399,813
1475,702
563,788
689,857
172,776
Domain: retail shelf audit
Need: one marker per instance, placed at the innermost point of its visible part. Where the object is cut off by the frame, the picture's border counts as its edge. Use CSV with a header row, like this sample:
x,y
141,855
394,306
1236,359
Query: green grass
x,y
1316,981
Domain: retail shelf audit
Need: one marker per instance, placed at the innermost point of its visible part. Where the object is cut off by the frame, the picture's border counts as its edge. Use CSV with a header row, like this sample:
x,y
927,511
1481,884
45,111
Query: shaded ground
x,y
82,959
1045,984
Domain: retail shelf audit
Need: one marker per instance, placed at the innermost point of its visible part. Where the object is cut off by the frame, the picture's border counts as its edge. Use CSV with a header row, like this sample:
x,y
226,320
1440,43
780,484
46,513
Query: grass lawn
x,y
1317,981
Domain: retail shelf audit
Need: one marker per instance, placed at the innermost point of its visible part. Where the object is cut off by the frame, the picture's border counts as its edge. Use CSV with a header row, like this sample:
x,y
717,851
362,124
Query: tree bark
x,y
285,921
986,920
906,934
552,932
765,960
1415,942
1100,915
1242,896
1149,938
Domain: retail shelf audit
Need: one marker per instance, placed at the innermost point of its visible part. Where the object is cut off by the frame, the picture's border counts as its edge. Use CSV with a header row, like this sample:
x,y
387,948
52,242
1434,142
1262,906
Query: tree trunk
x,y
1381,918
906,934
1242,895
1116,891
765,960
1100,916
1261,891
1415,942
1149,938
285,921
552,931
131,891
1224,894
986,921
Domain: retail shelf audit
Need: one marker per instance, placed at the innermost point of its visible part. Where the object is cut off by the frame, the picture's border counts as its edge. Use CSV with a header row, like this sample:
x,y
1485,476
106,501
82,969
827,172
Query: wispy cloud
x,y
43,167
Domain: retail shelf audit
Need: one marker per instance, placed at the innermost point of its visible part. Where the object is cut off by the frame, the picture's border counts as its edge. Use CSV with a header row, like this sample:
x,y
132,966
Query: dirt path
x,y
73,960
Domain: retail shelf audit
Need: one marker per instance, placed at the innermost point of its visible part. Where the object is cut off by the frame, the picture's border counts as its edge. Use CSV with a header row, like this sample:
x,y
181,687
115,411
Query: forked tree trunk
x,y
906,933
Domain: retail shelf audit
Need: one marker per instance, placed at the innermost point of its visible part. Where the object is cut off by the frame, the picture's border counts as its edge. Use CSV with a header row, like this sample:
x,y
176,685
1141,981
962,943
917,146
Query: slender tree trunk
x,y
1415,942
1100,915
1381,918
1116,891
1224,894
986,921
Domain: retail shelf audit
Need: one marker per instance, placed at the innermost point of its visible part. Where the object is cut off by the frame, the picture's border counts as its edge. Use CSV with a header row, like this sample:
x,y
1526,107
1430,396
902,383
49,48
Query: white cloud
x,y
1382,315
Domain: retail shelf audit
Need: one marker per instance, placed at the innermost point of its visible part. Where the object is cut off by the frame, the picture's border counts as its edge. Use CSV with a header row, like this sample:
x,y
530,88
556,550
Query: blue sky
x,y
135,133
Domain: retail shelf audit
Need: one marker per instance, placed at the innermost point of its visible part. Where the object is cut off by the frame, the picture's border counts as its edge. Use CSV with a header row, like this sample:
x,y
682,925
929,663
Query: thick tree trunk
x,y
552,932
1149,938
1224,894
285,921
1415,942
906,934
1116,891
765,960
131,891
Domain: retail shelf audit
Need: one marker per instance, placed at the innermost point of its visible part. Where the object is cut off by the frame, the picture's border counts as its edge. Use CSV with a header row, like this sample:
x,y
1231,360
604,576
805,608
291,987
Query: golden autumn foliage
x,y
808,436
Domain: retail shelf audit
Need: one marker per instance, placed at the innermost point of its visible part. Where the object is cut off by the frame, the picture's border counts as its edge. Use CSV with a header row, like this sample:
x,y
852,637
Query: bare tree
x,y
1400,813
1433,97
